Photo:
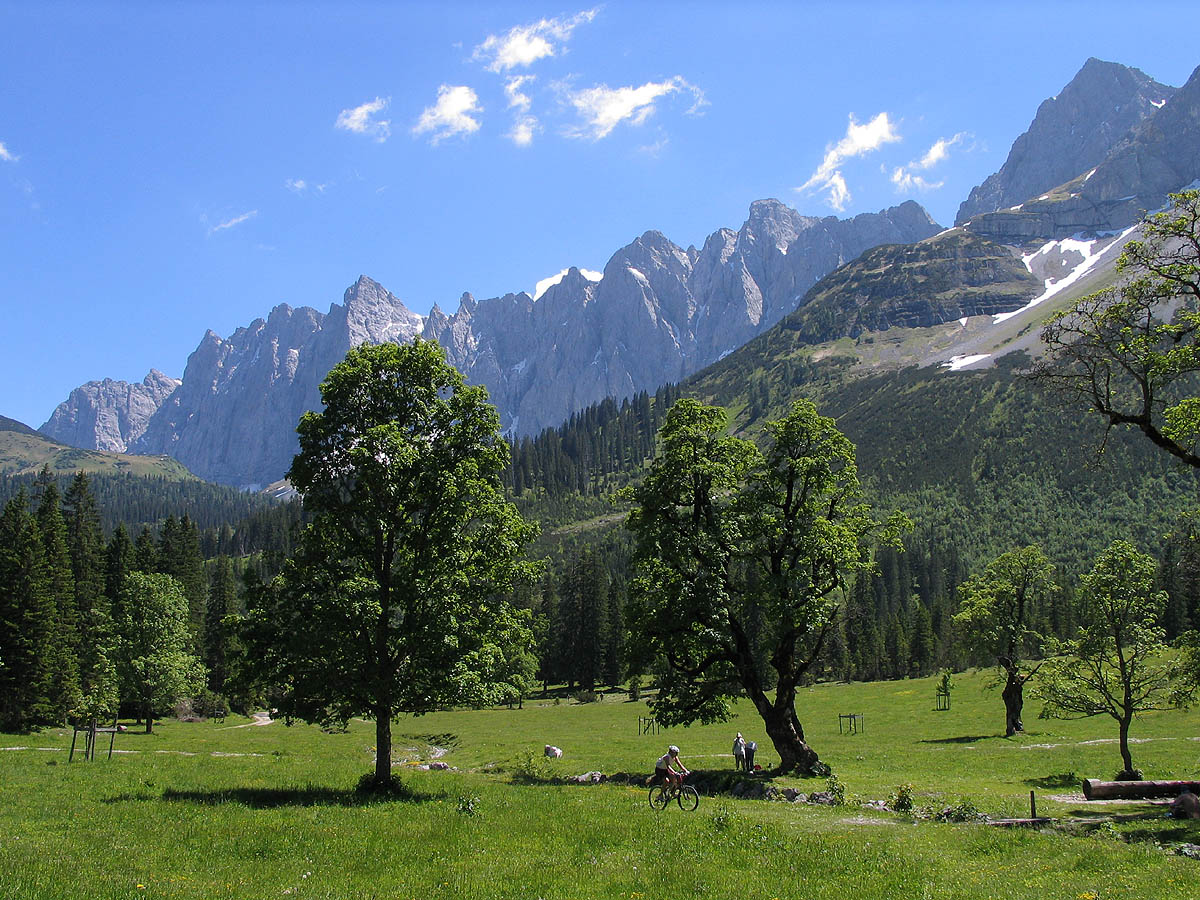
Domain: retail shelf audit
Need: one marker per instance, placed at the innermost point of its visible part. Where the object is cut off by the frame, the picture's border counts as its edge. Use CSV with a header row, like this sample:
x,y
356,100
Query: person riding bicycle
x,y
664,772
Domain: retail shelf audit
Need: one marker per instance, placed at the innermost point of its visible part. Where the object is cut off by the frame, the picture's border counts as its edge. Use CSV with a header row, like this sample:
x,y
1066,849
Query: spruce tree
x,y
85,543
223,601
26,621
145,553
63,660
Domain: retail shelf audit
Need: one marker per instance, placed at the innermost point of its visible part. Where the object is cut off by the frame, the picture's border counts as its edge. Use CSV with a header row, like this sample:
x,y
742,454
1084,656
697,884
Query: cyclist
x,y
666,773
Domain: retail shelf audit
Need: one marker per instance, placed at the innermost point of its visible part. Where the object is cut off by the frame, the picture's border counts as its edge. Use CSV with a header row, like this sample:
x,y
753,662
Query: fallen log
x,y
1094,789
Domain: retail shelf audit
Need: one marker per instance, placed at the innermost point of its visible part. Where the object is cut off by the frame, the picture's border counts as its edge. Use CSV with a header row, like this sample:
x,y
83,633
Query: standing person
x,y
665,772
751,746
739,752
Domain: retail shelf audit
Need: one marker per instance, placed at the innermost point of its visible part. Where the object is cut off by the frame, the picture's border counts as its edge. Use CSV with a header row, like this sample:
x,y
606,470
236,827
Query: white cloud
x,y
296,185
906,181
516,97
451,115
939,151
7,155
360,120
524,45
859,140
234,222
603,108
523,131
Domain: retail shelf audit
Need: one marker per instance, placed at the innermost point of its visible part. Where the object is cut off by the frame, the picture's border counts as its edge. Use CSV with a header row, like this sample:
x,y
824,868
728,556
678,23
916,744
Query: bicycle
x,y
685,795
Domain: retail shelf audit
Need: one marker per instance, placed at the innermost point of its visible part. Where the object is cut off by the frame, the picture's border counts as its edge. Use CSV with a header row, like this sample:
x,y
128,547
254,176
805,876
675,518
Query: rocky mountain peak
x,y
658,314
1159,155
1071,133
107,414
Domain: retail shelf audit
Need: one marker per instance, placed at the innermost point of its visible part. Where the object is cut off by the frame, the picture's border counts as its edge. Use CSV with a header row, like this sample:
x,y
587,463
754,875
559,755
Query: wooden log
x,y
1094,789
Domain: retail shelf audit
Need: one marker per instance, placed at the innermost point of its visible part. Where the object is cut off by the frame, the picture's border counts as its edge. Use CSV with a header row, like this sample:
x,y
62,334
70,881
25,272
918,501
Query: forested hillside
x,y
981,462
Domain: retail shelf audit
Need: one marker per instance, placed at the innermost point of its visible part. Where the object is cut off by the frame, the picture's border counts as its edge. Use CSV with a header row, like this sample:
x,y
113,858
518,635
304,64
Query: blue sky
x,y
171,167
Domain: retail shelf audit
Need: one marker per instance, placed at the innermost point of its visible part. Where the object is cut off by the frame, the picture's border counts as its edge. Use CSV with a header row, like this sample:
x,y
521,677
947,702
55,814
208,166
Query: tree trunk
x,y
1014,700
383,745
1128,773
785,733
149,714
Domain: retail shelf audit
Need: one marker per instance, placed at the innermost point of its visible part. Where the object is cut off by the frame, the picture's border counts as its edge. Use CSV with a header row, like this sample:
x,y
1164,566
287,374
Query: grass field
x,y
214,810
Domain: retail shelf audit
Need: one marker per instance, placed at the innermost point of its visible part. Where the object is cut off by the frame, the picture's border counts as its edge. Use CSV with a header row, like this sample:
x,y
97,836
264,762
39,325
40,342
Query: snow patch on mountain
x,y
961,362
1089,253
546,283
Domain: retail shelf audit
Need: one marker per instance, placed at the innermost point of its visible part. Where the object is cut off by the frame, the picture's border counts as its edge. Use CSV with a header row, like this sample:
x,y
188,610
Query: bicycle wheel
x,y
689,797
659,798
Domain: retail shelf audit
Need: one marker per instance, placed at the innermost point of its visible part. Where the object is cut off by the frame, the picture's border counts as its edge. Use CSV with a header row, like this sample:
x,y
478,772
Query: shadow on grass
x,y
965,739
1174,833
275,798
1057,780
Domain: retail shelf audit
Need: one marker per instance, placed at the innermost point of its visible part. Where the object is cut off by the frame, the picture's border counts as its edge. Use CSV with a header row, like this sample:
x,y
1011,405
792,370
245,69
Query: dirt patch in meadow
x,y
260,718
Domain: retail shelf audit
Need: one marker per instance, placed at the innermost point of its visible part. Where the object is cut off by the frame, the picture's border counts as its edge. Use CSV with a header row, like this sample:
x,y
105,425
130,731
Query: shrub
x,y
902,799
635,688
586,696
836,790
533,767
468,805
963,811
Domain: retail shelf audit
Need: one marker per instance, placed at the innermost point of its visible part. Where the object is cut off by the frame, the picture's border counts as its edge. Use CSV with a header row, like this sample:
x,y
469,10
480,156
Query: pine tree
x,y
612,667
63,660
223,601
921,647
179,556
26,621
145,553
85,542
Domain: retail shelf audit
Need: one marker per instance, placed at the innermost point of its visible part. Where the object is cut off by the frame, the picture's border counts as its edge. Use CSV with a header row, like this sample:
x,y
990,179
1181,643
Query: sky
x,y
167,168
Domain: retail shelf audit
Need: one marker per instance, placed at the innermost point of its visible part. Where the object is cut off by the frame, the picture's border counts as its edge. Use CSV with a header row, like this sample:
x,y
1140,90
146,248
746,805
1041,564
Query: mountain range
x,y
1110,145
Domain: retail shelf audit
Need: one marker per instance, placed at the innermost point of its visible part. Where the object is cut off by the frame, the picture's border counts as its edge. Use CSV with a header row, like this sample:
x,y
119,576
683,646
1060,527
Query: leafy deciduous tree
x,y
995,620
1132,353
152,644
394,601
726,534
1113,667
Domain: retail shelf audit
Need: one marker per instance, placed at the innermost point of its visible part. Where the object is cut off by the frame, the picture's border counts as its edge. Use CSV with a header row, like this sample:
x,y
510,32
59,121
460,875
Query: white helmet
x,y
673,750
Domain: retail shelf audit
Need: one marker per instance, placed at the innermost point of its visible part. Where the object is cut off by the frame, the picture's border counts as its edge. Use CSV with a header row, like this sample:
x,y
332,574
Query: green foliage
x,y
741,555
962,811
836,790
394,601
151,653
902,799
1113,666
1117,353
27,622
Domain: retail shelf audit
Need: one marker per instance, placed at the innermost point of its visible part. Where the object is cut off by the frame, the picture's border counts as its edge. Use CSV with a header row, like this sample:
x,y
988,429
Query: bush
x,y
533,767
902,799
468,805
963,811
836,790
586,696
635,688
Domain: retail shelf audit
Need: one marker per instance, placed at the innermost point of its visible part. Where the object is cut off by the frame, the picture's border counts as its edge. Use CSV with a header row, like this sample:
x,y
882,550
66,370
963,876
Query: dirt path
x,y
260,718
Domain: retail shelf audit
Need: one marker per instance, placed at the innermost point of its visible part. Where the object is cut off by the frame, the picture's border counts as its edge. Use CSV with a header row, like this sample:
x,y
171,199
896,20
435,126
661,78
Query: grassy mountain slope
x,y
23,450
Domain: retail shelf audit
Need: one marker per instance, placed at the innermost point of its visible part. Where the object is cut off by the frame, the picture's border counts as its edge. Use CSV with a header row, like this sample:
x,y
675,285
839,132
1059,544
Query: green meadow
x,y
237,810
